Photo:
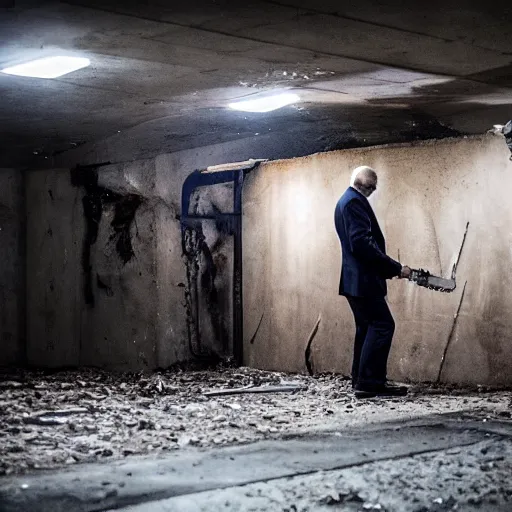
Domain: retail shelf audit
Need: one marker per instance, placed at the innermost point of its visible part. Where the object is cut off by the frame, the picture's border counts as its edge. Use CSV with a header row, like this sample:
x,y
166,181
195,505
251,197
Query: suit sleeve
x,y
363,245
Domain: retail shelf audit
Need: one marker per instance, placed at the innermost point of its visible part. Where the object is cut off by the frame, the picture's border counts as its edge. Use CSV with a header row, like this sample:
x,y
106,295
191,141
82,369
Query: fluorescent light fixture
x,y
48,67
266,104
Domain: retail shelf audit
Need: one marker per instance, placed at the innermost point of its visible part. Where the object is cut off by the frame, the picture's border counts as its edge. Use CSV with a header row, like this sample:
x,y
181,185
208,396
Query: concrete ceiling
x,y
162,73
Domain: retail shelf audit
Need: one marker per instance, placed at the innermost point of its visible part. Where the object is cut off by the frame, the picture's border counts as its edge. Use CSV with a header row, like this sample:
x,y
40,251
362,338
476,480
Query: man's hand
x,y
406,272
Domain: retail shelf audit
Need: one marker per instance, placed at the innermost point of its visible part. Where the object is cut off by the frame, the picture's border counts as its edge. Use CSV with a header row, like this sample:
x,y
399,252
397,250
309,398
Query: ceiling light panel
x,y
48,67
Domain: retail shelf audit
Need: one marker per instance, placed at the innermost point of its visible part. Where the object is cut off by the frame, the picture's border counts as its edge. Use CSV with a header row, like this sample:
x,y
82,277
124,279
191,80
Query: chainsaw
x,y
441,284
425,278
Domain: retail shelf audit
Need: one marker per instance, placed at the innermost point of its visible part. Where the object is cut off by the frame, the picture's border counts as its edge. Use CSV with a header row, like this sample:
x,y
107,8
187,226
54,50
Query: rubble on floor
x,y
49,420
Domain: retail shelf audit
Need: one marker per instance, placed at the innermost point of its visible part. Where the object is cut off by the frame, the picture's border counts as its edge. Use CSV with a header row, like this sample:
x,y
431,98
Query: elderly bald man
x,y
365,268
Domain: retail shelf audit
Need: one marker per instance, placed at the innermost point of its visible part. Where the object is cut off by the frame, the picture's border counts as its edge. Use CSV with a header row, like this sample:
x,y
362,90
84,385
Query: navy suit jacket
x,y
365,266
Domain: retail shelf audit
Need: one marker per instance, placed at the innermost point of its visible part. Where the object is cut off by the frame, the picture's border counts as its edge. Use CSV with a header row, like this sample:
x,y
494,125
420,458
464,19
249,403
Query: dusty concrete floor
x,y
62,419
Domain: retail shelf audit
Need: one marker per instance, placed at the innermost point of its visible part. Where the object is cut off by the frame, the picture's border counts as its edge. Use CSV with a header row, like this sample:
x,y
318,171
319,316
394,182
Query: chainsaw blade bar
x,y
441,284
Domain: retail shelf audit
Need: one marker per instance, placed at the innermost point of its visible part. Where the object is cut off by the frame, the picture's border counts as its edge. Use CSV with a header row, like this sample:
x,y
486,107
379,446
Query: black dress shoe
x,y
386,390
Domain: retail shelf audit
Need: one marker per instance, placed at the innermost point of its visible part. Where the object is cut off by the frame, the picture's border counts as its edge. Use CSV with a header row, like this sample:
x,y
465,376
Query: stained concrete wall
x,y
92,294
291,262
87,305
12,273
427,193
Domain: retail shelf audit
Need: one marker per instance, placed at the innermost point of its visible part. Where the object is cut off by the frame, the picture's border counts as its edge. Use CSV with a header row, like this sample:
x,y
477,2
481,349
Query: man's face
x,y
369,187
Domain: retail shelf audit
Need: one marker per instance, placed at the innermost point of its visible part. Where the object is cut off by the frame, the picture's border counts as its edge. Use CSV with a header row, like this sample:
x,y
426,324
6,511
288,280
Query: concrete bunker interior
x,y
168,292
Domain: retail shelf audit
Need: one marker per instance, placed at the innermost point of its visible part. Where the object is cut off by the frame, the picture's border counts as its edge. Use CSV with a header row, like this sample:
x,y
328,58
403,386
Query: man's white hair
x,y
359,170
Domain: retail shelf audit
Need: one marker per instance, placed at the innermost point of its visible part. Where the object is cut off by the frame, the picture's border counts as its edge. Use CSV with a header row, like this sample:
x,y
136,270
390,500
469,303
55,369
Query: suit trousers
x,y
374,332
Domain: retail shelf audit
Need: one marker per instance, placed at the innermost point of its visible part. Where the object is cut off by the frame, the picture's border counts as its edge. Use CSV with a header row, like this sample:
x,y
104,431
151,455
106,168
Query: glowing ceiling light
x,y
267,103
48,67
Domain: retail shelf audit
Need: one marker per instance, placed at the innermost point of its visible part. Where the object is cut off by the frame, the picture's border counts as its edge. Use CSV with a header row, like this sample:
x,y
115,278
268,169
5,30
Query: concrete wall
x,y
92,293
54,233
87,305
12,273
427,193
138,319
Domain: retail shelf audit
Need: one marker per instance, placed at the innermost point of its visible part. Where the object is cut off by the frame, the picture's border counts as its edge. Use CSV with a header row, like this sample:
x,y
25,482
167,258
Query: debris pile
x,y
53,419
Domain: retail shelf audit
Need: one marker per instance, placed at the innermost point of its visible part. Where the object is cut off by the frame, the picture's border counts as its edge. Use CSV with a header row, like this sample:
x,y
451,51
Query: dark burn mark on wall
x,y
124,213
92,209
211,295
190,250
202,265
201,272
94,201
